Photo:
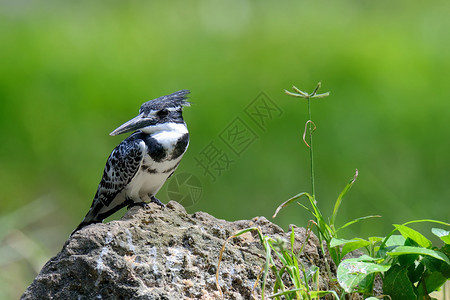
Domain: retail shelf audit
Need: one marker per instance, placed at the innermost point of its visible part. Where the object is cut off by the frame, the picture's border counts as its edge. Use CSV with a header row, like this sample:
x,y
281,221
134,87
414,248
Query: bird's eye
x,y
162,113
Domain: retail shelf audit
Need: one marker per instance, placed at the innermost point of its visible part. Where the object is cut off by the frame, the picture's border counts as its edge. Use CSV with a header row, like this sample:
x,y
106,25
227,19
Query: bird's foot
x,y
157,201
141,204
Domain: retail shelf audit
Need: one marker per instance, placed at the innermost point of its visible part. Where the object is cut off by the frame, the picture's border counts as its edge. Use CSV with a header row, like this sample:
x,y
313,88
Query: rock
x,y
164,253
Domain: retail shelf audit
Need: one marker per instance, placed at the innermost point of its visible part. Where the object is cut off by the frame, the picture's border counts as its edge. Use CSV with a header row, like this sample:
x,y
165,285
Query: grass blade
x,y
289,201
427,221
356,221
341,196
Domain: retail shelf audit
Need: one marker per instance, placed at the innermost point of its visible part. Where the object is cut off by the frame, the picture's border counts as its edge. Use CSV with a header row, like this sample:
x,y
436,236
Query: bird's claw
x,y
157,201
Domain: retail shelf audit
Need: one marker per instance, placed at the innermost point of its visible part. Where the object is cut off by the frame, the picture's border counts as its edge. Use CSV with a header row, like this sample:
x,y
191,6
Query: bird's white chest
x,y
145,185
152,174
147,182
167,139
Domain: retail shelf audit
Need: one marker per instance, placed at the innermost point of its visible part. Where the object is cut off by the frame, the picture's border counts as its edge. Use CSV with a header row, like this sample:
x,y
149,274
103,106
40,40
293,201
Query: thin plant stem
x,y
300,94
311,150
308,96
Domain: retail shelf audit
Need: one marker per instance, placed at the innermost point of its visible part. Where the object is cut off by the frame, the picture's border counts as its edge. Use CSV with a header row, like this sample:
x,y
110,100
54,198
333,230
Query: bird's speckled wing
x,y
121,166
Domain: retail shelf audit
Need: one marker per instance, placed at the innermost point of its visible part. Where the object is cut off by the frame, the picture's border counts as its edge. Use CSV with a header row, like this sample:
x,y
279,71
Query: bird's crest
x,y
175,100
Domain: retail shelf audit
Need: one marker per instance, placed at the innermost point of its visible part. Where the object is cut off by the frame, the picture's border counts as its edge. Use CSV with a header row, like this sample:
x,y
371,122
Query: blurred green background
x,y
71,72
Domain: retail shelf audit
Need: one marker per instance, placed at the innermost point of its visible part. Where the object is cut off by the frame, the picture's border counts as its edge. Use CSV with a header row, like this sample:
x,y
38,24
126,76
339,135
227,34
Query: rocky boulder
x,y
164,253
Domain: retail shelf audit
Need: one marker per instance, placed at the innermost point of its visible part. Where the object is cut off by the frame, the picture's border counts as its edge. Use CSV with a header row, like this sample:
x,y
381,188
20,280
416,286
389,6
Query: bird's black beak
x,y
136,123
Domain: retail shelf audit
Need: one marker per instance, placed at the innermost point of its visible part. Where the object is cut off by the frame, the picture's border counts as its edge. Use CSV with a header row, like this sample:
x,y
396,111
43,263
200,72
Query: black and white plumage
x,y
138,167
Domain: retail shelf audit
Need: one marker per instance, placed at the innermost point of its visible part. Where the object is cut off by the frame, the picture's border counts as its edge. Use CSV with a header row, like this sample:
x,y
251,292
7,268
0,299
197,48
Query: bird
x,y
140,165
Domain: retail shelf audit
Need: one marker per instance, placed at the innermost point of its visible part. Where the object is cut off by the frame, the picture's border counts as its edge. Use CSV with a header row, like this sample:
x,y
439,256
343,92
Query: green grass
x,y
410,266
297,286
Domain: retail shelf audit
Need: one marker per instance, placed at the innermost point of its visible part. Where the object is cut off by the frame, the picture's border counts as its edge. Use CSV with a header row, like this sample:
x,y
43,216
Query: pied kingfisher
x,y
138,167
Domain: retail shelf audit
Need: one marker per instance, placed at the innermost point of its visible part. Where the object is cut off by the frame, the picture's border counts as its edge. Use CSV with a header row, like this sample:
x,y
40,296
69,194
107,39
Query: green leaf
x,y
296,270
410,242
292,239
446,249
444,235
337,242
415,271
414,235
288,292
353,245
397,285
410,222
312,294
390,243
266,264
352,272
402,250
395,240
375,239
365,257
317,294
407,259
310,272
432,282
432,264
335,256
349,245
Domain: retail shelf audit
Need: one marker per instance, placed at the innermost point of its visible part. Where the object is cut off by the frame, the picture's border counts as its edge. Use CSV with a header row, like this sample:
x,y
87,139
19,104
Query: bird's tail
x,y
84,224
97,213
91,217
